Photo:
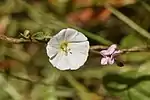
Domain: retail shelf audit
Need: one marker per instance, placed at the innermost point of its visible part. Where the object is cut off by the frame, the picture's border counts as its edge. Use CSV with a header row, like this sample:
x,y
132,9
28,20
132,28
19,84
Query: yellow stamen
x,y
64,46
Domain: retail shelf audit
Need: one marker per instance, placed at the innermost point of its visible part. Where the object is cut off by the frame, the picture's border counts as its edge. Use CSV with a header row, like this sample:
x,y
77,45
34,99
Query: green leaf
x,y
60,5
136,57
131,85
43,93
41,36
129,22
12,28
8,88
131,40
40,92
4,95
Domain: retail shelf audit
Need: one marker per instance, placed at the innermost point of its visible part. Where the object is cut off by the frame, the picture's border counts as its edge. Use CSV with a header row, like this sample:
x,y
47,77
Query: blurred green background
x,y
26,74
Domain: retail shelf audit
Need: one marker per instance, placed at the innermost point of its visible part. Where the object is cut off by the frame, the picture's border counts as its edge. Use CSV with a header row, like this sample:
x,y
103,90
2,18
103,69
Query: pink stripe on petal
x,y
116,53
111,61
104,60
111,49
104,53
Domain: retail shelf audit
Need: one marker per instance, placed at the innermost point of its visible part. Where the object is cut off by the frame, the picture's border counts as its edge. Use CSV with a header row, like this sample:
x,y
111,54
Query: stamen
x,y
64,47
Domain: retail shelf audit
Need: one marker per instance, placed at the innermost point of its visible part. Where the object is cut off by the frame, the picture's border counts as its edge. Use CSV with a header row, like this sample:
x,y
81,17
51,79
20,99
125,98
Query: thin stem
x,y
129,22
14,40
75,83
96,49
145,5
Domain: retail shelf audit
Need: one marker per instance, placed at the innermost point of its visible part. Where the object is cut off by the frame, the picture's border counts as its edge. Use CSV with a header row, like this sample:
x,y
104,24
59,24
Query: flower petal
x,y
56,59
63,63
111,49
77,59
70,33
75,36
78,54
82,47
104,53
104,60
117,52
53,42
111,61
51,51
60,36
60,61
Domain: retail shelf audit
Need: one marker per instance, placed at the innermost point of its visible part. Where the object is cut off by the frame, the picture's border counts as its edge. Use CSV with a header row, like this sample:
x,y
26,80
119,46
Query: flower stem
x,y
132,24
15,40
96,49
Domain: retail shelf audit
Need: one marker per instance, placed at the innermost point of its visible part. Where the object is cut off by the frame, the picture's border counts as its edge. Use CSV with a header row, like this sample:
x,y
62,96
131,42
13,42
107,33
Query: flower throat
x,y
64,47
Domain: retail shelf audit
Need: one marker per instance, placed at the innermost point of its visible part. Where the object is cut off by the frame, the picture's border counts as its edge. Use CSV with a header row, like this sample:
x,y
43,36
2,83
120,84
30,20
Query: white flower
x,y
68,49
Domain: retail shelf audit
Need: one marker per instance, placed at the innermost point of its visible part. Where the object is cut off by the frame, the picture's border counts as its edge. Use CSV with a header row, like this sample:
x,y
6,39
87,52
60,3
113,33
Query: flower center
x,y
64,47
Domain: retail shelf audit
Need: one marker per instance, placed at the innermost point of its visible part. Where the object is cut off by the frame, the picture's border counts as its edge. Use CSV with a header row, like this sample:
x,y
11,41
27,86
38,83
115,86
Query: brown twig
x,y
96,49
14,40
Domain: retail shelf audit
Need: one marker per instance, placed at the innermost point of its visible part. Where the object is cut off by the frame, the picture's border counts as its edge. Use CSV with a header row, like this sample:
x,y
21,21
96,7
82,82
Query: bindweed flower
x,y
109,55
68,49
